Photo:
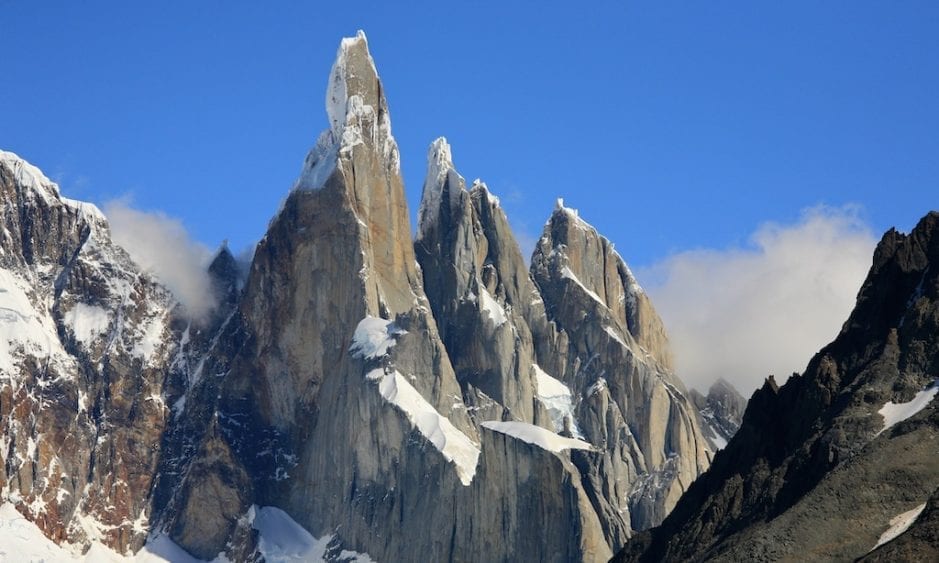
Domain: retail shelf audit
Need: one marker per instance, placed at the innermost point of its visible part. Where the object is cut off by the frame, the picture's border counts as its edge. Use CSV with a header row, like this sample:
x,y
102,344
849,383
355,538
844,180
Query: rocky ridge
x,y
821,466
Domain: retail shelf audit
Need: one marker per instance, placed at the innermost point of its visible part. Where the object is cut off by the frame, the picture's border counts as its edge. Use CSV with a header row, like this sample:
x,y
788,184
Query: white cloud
x,y
745,313
162,246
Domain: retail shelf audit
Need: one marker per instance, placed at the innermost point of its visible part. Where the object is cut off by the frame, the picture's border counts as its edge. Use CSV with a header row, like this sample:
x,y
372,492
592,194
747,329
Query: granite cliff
x,y
408,398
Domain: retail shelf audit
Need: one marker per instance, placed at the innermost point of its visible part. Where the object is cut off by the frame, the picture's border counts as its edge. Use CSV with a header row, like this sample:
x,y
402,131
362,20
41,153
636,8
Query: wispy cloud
x,y
161,245
745,313
514,201
525,237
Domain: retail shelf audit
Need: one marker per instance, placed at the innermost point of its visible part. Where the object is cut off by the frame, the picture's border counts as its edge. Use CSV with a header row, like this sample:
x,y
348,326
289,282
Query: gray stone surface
x,y
158,421
336,253
614,354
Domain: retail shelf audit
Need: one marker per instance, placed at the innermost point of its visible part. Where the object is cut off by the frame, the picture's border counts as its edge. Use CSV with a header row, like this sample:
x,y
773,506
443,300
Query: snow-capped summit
x,y
28,176
439,161
33,184
355,101
357,114
345,76
482,189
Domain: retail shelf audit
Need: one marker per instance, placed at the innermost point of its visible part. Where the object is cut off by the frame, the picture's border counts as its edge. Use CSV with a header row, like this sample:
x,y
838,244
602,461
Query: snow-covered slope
x,y
22,540
280,540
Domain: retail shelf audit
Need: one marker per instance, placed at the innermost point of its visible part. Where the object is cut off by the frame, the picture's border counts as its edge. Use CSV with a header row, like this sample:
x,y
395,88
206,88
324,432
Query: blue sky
x,y
743,156
671,126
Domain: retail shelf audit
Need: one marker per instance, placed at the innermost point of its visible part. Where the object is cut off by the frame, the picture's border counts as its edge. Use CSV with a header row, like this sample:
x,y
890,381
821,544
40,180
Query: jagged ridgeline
x,y
842,462
412,400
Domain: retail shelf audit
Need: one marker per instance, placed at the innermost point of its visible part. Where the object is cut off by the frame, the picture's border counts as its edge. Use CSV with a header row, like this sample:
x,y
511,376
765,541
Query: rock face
x,y
721,412
479,290
821,466
341,378
391,377
432,399
509,335
613,352
85,353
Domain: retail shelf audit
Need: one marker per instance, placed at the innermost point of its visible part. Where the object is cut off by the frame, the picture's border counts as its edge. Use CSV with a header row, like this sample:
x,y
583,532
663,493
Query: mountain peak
x,y
29,176
442,181
562,212
572,252
37,187
481,190
357,113
439,159
807,446
353,74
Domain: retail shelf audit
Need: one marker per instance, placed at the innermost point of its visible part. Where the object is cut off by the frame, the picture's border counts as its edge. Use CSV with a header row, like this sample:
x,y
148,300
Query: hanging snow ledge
x,y
536,435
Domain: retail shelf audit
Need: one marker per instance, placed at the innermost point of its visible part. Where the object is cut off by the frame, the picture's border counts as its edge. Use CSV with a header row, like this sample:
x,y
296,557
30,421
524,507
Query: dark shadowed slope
x,y
813,473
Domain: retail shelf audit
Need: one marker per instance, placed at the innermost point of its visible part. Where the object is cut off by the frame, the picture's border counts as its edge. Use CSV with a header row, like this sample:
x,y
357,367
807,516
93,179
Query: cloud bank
x,y
161,245
745,313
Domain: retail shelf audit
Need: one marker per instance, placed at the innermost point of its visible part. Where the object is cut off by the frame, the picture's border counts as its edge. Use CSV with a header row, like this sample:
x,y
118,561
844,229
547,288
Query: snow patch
x,y
899,524
599,385
30,177
88,211
93,528
491,307
480,186
536,435
452,443
22,540
24,330
894,413
567,273
161,548
87,322
38,185
557,398
612,333
282,540
719,441
373,337
320,163
150,340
